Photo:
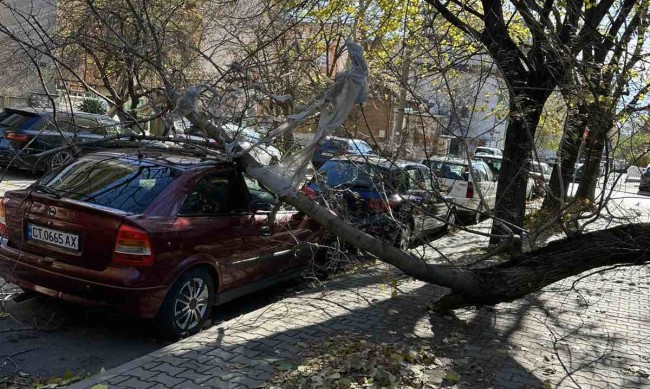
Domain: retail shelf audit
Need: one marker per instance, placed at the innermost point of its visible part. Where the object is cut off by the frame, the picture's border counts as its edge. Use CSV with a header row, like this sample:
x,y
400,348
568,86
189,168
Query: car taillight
x,y
3,215
470,191
309,192
17,137
380,205
132,247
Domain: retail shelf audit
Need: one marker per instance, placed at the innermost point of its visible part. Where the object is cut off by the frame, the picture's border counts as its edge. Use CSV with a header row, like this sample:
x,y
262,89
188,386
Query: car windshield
x,y
348,173
119,183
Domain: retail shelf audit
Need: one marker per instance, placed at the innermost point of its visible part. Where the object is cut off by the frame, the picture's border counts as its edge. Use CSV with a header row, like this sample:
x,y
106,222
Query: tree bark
x,y
511,190
398,125
591,171
626,244
563,172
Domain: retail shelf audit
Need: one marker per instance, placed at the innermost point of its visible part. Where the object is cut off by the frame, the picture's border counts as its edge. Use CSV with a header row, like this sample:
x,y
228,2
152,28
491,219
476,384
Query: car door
x,y
284,231
487,183
219,225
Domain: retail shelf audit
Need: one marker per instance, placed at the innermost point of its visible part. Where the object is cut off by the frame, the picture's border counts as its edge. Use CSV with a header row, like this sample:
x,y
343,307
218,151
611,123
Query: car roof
x,y
450,159
48,112
178,159
344,139
488,156
379,161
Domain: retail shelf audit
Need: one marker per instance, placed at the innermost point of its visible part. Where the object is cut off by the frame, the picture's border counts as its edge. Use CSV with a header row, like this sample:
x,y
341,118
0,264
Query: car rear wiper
x,y
47,190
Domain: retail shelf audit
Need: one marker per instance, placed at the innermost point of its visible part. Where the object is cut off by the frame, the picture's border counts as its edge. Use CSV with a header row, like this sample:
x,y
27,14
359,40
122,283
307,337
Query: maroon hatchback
x,y
159,235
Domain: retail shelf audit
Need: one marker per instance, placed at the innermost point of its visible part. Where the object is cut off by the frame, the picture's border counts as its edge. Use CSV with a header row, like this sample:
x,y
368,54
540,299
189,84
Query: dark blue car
x,y
26,132
333,146
394,200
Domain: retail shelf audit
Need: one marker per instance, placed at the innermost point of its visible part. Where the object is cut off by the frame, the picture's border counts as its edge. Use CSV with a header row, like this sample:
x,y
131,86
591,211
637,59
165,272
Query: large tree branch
x,y
627,244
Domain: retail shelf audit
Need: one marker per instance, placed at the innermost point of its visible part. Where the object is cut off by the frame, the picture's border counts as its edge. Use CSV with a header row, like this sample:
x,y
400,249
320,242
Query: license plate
x,y
326,154
54,237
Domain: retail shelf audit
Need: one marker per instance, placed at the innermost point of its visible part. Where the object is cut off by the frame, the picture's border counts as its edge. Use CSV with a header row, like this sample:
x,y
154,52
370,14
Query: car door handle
x,y
265,231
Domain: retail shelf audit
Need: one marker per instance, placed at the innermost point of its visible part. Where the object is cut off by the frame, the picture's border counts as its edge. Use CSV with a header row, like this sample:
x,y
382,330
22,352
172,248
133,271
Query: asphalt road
x,y
46,338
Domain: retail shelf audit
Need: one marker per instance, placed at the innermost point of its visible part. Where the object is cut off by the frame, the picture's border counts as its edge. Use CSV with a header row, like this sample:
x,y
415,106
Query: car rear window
x,y
18,121
348,173
119,183
449,170
493,163
334,144
360,146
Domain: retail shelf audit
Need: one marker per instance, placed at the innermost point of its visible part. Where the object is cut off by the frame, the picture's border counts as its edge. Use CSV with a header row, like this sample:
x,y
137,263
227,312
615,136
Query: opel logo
x,y
51,212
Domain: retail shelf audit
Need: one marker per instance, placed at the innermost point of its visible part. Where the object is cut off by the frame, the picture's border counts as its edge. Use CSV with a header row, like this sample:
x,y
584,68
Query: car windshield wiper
x,y
47,190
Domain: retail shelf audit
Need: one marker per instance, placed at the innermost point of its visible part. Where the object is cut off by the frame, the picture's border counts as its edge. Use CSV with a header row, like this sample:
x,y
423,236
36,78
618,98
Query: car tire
x,y
188,305
476,217
59,159
452,219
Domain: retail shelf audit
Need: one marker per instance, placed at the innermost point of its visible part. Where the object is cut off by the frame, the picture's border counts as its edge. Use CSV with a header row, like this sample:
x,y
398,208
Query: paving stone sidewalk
x,y
595,336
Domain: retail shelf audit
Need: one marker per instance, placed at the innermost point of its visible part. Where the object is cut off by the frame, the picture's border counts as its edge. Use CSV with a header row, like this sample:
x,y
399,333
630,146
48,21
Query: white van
x,y
462,188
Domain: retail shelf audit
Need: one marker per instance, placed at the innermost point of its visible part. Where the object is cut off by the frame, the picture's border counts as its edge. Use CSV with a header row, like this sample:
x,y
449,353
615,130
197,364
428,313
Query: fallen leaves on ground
x,y
24,381
354,362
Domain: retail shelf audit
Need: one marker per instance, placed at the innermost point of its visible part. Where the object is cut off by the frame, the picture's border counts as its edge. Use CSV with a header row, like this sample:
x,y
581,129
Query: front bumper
x,y
71,283
24,161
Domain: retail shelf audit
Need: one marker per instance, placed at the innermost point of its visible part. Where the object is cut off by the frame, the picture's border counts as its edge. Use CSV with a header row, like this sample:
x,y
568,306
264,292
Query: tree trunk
x,y
627,244
600,122
511,190
398,124
569,148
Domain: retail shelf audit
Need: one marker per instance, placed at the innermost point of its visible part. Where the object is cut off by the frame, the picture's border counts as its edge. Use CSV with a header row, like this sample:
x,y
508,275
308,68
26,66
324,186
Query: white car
x,y
244,136
488,151
494,162
462,188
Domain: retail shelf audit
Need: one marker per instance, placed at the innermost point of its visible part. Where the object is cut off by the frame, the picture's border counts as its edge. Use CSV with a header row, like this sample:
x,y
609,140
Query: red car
x,y
159,235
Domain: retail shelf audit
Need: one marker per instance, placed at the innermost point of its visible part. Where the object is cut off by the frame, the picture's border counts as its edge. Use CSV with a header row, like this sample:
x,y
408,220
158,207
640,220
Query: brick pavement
x,y
598,333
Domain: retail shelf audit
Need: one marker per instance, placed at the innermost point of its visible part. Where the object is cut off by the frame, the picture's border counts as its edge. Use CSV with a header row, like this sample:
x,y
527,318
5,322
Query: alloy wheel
x,y
59,159
191,304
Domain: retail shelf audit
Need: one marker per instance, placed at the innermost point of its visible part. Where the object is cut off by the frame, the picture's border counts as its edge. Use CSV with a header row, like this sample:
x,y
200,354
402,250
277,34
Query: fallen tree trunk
x,y
626,244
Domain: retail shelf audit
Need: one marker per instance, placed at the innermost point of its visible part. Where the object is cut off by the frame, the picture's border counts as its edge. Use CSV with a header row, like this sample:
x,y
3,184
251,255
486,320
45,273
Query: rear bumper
x,y
108,288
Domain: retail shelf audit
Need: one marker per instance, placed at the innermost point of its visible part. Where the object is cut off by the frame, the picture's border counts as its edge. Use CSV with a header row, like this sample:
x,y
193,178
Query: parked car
x,y
30,131
456,182
540,170
644,183
494,162
333,146
396,200
488,151
579,170
155,234
250,136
